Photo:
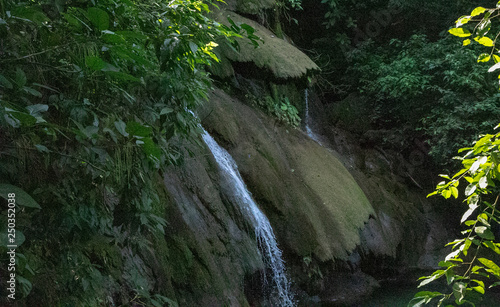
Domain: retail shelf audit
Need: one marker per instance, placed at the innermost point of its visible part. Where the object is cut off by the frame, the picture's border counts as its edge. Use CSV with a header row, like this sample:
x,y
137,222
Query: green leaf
x,y
484,27
460,32
450,276
483,182
36,109
32,91
20,78
480,161
22,198
484,232
446,193
25,284
478,11
470,223
485,41
121,127
193,47
492,246
467,244
454,254
166,110
74,22
122,76
19,239
111,37
138,130
94,63
5,83
445,264
42,148
470,189
493,268
437,274
463,20
98,18
459,289
483,57
423,297
24,118
151,149
431,194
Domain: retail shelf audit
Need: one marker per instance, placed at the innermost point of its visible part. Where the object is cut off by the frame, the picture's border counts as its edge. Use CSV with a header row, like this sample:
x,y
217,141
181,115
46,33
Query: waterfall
x,y
281,295
309,131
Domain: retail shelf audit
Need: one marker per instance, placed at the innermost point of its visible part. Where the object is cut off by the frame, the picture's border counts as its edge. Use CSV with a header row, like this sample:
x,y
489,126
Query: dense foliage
x,y
435,89
410,78
472,266
93,95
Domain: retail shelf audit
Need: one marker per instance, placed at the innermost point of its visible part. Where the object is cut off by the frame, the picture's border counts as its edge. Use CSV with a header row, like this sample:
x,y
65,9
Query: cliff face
x,y
314,204
296,181
330,232
342,213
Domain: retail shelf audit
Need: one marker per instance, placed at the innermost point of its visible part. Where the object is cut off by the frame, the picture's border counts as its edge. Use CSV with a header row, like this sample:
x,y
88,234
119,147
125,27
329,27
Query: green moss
x,y
275,54
294,180
249,6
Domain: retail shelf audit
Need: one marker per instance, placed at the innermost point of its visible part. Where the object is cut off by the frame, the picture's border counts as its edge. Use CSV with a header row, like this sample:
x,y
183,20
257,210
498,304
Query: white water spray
x,y
281,295
309,131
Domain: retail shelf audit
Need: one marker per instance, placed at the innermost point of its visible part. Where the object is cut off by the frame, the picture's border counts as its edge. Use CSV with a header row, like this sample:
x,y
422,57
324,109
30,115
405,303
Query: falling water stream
x,y
309,131
280,293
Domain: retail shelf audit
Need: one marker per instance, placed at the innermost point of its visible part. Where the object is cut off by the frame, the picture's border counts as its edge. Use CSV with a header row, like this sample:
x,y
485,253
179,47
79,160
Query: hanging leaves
x,y
90,95
99,18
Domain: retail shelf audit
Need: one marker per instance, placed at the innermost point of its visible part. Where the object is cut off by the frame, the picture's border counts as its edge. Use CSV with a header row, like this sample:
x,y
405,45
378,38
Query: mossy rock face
x,y
403,217
252,7
294,180
273,53
209,250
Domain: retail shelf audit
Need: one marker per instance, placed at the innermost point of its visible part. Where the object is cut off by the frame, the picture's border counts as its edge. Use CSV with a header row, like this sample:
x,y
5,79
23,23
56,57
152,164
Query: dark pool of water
x,y
399,291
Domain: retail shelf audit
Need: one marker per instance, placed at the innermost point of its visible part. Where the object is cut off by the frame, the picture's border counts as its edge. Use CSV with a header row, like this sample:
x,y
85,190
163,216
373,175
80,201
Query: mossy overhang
x,y
252,7
273,53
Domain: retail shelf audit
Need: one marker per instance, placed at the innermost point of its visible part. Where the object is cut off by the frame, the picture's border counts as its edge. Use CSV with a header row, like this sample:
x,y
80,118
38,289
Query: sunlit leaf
x,y
485,41
484,57
478,11
460,32
483,182
493,267
471,188
462,20
437,274
494,67
484,232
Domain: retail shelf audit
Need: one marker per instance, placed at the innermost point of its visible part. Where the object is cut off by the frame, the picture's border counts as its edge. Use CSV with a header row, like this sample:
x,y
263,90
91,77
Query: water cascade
x,y
281,295
309,131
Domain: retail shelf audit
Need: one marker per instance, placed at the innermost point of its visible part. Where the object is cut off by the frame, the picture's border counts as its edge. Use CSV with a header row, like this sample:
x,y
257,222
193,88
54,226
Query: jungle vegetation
x,y
94,96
